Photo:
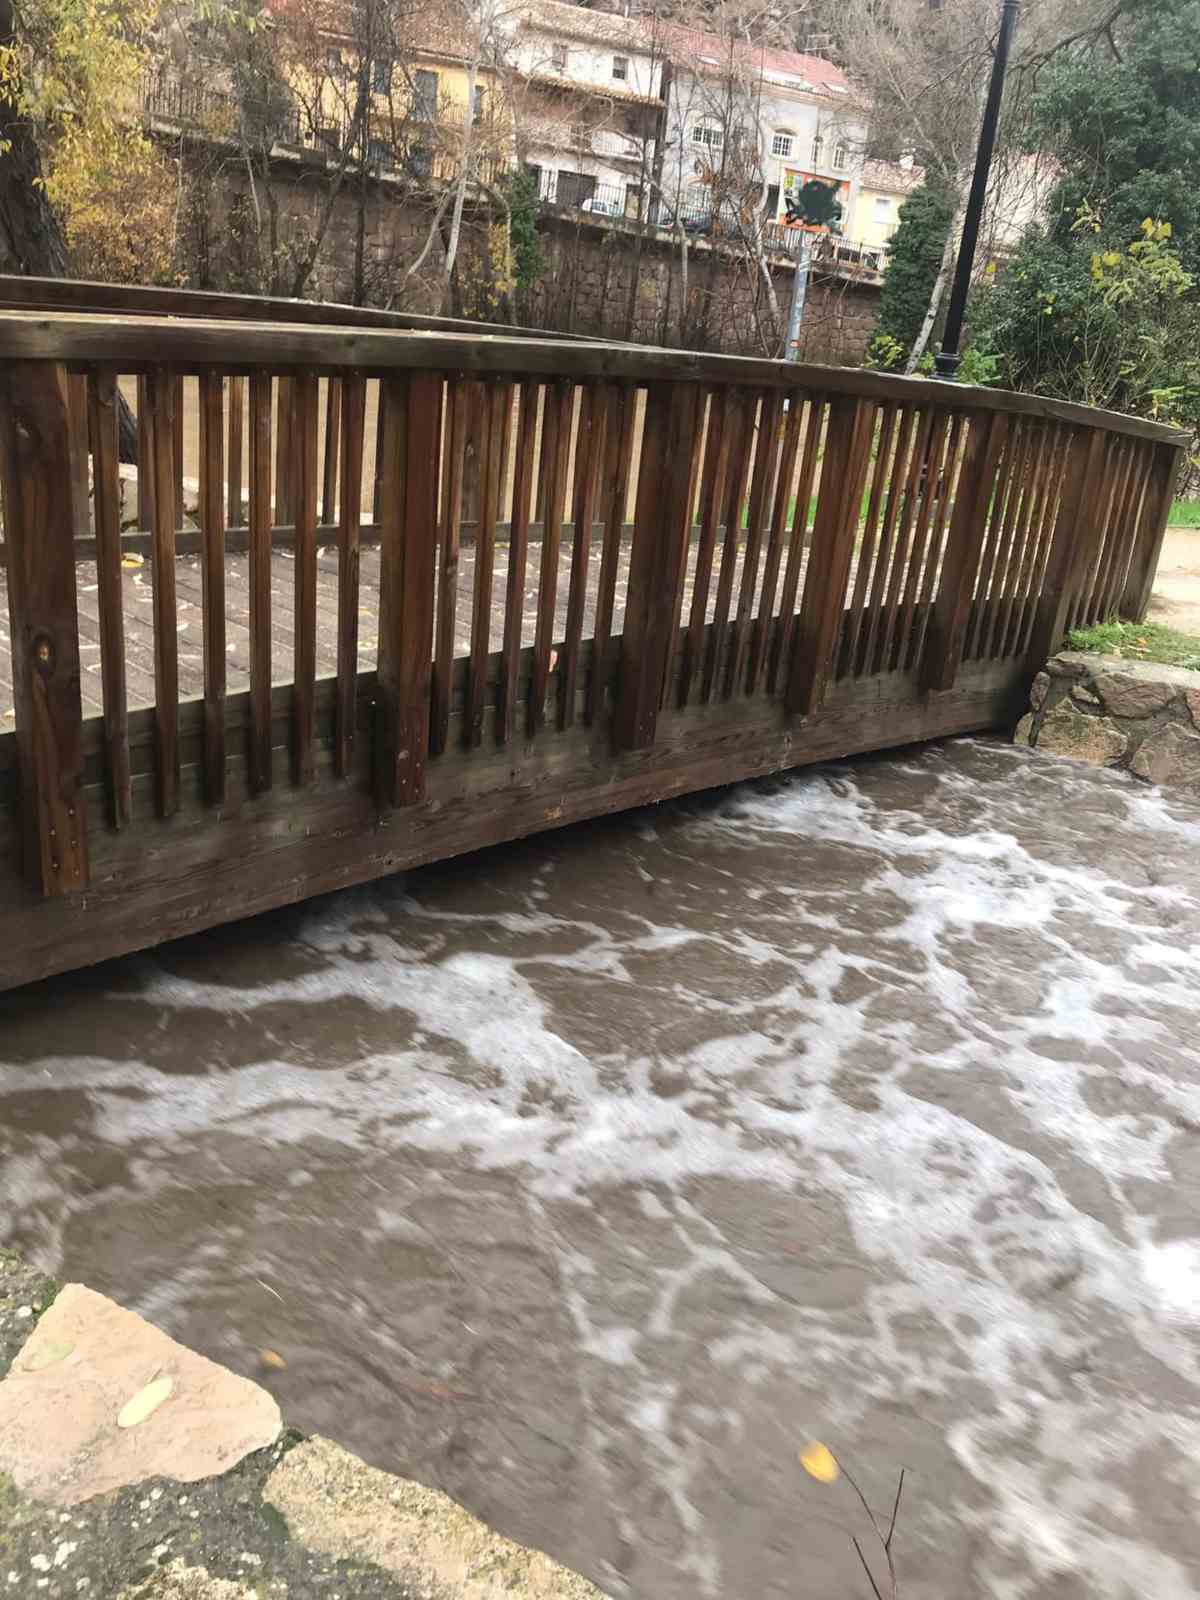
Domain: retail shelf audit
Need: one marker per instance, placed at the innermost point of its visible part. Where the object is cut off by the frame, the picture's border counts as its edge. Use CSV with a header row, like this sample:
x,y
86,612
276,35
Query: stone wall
x,y
1111,712
597,276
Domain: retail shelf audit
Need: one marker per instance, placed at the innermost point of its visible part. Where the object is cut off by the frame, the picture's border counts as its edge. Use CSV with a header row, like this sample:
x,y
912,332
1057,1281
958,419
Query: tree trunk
x,y
31,240
939,287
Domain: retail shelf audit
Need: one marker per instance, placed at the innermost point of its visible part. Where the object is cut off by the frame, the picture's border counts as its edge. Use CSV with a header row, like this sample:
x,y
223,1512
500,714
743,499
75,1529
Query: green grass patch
x,y
1139,641
1184,514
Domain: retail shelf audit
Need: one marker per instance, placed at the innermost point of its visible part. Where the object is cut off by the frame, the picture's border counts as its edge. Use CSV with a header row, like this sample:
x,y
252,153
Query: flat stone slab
x,y
82,1366
335,1503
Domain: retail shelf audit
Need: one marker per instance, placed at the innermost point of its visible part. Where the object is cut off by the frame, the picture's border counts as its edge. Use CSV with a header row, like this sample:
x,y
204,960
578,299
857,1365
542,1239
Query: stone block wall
x,y
1110,712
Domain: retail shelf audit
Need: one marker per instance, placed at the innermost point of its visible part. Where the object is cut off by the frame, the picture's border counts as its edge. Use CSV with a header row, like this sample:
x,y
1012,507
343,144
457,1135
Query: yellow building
x,y
882,190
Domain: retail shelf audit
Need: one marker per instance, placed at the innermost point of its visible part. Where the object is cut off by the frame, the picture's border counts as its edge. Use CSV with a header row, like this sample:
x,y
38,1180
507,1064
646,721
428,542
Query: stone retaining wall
x,y
1111,712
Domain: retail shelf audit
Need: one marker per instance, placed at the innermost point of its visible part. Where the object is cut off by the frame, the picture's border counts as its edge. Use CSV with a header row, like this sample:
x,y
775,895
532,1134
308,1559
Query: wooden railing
x,y
677,571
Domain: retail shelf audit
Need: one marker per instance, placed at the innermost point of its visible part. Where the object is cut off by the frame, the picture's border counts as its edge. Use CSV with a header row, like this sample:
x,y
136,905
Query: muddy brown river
x,y
590,1178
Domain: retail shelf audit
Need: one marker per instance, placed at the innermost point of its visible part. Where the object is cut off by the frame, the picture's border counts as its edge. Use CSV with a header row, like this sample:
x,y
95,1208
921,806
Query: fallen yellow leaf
x,y
819,1462
271,1359
133,561
144,1403
48,1355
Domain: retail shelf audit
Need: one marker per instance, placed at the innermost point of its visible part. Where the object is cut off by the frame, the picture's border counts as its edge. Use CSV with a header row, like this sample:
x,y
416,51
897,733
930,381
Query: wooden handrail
x,y
85,295
134,344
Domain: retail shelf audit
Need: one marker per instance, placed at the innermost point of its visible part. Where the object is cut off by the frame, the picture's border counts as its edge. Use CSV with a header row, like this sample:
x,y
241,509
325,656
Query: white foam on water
x,y
948,1023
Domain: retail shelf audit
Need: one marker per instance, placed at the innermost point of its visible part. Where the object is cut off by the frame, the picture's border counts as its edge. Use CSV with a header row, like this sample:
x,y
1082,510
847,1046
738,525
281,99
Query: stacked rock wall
x,y
1111,712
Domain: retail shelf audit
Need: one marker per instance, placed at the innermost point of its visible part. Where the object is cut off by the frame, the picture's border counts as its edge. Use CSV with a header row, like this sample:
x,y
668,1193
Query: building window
x,y
621,67
334,64
558,57
479,102
708,135
379,154
425,95
818,150
883,207
771,204
381,77
840,157
781,144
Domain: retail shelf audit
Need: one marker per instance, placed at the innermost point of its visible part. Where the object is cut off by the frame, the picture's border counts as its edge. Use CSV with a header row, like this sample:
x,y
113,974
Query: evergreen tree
x,y
913,263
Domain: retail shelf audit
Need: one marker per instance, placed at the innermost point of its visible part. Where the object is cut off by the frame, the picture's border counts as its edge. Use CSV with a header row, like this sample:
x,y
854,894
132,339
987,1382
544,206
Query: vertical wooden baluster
x,y
518,560
944,499
897,471
712,499
766,459
285,425
103,407
474,448
949,613
618,457
763,622
377,493
304,479
161,392
497,401
588,454
781,633
77,413
847,447
1082,614
1027,557
926,493
145,454
453,466
352,405
1018,489
1006,484
233,466
666,489
212,580
40,521
259,546
739,424
1048,512
913,503
177,403
1069,544
866,555
556,445
1166,463
1114,532
412,409
333,431
1131,507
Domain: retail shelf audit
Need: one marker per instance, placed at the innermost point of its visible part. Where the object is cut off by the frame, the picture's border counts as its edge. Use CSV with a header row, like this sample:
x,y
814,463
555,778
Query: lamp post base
x,y
945,365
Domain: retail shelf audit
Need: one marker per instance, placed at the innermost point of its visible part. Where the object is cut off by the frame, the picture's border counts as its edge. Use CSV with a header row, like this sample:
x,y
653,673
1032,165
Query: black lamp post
x,y
948,357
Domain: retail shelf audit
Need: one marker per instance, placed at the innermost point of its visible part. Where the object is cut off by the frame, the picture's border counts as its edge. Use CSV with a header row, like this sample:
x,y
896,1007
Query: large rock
x,y
1192,701
1068,732
1171,754
1128,694
86,1360
335,1503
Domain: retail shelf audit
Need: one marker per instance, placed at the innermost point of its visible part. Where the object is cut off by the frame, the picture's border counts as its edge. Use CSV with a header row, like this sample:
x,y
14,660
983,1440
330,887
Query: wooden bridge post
x,y
843,474
1156,508
666,491
1070,547
40,480
411,444
950,611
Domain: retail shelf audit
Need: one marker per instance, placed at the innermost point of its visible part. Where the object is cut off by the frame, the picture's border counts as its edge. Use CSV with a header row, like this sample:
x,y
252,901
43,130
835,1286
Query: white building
x,y
791,114
617,113
587,104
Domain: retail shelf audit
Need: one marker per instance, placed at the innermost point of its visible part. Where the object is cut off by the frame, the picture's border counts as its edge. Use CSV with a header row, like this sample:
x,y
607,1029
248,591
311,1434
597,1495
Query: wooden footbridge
x,y
379,590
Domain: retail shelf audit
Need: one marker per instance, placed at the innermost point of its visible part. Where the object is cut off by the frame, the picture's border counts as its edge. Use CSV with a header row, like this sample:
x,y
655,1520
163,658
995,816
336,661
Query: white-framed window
x,y
381,77
840,157
781,142
883,208
709,134
558,57
818,149
621,67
